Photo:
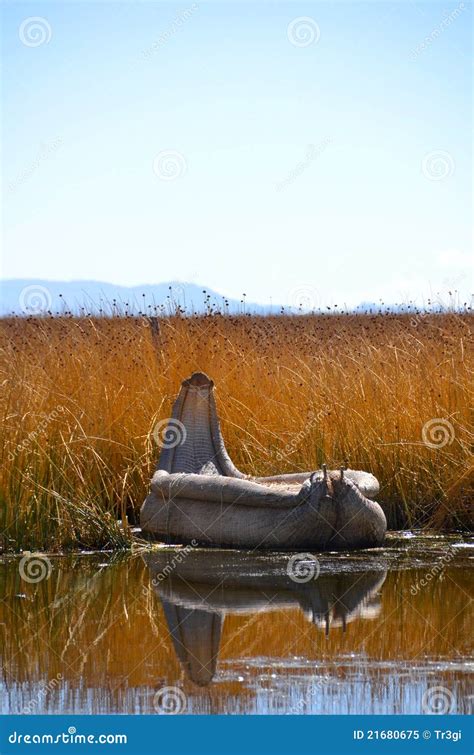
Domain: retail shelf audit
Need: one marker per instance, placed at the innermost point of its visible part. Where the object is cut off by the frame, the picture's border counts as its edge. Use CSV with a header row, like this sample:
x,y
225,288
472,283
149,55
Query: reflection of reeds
x,y
59,623
81,396
94,625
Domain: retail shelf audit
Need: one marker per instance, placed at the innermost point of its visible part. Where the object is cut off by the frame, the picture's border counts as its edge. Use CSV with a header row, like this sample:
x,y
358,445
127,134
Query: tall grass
x,y
80,398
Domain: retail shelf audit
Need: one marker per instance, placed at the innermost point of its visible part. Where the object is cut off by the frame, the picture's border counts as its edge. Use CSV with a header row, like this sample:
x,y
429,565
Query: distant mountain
x,y
36,297
28,297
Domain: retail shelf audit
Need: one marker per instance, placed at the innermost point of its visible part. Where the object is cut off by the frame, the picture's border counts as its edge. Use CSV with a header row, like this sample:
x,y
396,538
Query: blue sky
x,y
325,160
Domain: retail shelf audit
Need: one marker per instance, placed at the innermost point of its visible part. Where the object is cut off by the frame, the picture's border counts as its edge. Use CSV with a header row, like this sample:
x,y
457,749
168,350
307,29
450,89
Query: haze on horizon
x,y
293,151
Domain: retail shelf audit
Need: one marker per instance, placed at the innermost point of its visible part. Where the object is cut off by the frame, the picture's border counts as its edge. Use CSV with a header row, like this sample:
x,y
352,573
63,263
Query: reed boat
x,y
198,495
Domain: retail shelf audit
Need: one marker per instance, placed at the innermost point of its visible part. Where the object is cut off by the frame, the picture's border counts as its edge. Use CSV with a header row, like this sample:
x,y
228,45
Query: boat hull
x,y
231,513
199,496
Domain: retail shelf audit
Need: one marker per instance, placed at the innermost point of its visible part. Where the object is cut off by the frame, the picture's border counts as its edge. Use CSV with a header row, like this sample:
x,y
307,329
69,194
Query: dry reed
x,y
81,396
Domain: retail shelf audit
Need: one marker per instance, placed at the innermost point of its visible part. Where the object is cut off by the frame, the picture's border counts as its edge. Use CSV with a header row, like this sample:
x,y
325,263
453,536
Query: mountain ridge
x,y
24,296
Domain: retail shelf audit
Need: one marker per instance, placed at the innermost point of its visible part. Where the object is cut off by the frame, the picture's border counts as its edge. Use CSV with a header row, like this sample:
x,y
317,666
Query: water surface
x,y
233,632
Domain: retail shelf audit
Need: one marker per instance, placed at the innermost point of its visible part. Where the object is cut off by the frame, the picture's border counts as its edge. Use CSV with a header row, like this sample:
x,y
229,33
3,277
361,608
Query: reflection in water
x,y
198,592
372,634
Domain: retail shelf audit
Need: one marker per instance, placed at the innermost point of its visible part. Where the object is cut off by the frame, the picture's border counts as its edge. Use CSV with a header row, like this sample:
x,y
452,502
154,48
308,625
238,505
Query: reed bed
x,y
81,397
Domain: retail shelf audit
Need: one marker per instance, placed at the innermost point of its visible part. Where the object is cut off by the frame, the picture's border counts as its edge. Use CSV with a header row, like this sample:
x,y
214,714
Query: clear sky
x,y
317,150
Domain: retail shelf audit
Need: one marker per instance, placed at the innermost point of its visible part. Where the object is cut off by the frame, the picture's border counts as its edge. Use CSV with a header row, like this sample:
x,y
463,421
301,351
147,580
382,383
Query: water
x,y
375,632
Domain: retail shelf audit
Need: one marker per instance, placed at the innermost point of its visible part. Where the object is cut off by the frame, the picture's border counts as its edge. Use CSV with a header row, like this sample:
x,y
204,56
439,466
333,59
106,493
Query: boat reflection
x,y
198,588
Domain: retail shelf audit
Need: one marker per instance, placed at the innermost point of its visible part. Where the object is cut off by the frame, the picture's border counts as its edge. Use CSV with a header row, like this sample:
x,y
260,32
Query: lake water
x,y
212,631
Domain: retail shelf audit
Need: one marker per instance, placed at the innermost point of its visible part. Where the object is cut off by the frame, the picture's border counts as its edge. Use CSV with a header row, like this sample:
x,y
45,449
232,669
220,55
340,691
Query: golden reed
x,y
80,398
